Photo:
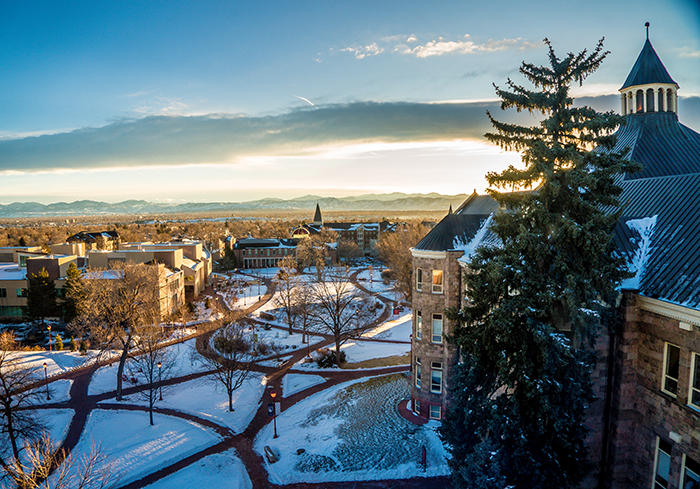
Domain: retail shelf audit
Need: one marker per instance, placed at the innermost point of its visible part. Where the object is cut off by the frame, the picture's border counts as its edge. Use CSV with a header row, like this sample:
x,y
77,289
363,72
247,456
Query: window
x,y
662,467
419,279
3,293
691,474
660,99
650,100
21,292
436,381
418,372
435,412
694,391
437,281
437,328
416,406
419,325
671,367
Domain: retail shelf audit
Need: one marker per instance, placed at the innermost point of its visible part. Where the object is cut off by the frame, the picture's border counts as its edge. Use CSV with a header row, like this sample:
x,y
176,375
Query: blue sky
x,y
233,101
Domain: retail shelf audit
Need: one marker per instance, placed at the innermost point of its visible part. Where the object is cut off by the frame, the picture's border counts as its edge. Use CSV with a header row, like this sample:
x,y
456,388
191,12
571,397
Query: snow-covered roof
x,y
12,271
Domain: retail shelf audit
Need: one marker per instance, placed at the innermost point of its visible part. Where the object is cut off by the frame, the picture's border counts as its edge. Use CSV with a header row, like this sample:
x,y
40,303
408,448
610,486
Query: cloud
x,y
364,51
688,52
222,138
439,47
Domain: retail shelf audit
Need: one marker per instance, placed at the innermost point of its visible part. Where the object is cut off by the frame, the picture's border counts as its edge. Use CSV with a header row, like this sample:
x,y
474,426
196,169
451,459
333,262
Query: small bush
x,y
72,344
207,303
83,347
59,342
327,359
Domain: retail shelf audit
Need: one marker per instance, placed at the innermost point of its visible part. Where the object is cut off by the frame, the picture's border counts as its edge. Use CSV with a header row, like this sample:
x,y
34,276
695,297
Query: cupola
x,y
648,88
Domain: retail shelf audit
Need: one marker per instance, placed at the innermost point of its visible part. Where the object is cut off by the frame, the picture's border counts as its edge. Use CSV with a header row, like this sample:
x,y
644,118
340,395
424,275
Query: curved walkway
x,y
82,404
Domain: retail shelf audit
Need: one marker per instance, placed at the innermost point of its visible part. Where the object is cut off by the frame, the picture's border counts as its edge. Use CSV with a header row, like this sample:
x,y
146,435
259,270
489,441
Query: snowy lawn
x,y
351,432
202,397
59,391
377,285
57,362
135,448
220,470
360,351
293,383
184,363
397,328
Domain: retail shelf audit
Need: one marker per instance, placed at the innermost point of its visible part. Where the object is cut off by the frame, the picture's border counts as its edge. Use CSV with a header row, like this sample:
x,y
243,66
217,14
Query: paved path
x,y
82,404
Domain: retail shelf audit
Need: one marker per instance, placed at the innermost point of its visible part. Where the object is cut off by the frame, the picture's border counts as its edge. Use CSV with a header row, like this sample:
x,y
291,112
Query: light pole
x,y
159,382
48,327
46,378
273,394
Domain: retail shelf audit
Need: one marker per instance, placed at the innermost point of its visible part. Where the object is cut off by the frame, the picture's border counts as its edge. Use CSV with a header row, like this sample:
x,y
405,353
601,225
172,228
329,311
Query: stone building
x,y
645,423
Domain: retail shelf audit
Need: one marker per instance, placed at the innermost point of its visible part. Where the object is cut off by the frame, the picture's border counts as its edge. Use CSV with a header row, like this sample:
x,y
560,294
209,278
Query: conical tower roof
x,y
648,69
318,221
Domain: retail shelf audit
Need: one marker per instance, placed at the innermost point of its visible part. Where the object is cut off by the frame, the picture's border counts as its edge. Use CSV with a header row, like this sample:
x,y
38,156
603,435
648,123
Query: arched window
x,y
650,100
661,100
630,103
669,100
640,101
624,104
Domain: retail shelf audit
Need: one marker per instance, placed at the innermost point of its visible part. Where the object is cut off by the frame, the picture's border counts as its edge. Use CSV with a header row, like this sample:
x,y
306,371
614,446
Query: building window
x,y
436,381
650,100
694,391
671,367
437,328
660,99
437,281
418,373
21,292
662,466
416,406
3,293
419,279
691,474
435,412
419,325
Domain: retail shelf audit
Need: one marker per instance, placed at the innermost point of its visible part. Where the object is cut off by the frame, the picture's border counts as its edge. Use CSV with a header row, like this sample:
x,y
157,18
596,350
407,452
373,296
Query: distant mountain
x,y
371,202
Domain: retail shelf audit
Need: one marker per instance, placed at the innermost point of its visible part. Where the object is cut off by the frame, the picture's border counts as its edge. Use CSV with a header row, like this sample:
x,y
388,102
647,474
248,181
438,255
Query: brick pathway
x,y
82,404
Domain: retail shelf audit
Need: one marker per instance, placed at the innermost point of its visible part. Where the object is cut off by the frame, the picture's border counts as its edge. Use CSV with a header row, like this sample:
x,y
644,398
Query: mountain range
x,y
370,202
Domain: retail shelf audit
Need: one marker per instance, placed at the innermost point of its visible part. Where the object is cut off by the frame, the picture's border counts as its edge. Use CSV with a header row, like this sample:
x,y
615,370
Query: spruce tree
x,y
539,297
74,293
41,297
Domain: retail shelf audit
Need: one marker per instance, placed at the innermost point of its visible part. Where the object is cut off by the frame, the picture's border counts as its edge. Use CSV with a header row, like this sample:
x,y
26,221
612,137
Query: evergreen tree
x,y
59,343
74,293
538,299
41,297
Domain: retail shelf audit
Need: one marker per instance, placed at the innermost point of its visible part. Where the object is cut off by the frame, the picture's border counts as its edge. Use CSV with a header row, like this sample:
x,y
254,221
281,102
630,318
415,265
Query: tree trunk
x,y
230,400
11,430
337,352
120,372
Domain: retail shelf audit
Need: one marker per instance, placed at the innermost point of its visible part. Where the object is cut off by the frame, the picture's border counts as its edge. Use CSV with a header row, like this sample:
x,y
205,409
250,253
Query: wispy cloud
x,y
688,52
441,46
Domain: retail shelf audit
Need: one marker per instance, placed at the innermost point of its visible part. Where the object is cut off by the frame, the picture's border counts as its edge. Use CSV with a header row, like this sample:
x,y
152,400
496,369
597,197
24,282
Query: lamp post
x,y
48,327
273,394
46,378
160,385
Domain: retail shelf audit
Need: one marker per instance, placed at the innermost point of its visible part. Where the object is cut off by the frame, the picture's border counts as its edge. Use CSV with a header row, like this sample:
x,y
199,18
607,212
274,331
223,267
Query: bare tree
x,y
230,353
18,424
287,285
117,305
92,471
151,364
394,249
349,252
341,309
313,251
302,309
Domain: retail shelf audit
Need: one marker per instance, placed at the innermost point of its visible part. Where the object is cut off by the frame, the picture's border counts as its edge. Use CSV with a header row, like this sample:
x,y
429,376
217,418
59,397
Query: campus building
x,y
645,423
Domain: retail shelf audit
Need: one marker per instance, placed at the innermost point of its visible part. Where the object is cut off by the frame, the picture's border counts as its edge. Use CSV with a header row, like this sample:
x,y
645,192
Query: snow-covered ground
x,y
135,448
293,383
183,363
377,285
206,398
59,391
220,470
57,362
351,432
360,351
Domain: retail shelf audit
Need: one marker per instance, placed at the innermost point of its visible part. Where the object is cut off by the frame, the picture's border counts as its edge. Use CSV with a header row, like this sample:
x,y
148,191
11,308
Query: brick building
x,y
645,423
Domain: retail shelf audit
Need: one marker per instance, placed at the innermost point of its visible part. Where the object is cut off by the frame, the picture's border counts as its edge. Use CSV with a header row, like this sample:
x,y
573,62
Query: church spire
x,y
318,220
648,87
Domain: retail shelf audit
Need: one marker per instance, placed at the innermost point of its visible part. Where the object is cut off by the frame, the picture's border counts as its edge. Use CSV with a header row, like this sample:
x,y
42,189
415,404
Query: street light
x,y
48,326
273,394
159,382
46,378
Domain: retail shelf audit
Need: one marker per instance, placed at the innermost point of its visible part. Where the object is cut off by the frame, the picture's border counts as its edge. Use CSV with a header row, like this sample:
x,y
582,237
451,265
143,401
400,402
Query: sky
x,y
173,101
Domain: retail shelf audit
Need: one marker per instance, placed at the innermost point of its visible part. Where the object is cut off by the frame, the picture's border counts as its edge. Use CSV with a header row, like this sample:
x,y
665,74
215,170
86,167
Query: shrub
x,y
327,359
83,347
59,342
72,344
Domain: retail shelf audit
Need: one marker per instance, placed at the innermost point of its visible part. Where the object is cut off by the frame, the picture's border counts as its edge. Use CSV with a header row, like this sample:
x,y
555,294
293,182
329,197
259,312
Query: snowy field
x,y
220,470
206,398
360,351
293,383
136,449
397,328
351,432
377,285
59,391
183,363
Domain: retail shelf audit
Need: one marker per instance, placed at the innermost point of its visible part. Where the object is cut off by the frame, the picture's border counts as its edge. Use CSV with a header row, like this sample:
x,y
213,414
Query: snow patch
x,y
638,263
470,246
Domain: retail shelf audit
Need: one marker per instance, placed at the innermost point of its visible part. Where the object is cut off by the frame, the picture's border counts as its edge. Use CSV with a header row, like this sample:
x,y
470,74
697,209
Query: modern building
x,y
645,423
262,253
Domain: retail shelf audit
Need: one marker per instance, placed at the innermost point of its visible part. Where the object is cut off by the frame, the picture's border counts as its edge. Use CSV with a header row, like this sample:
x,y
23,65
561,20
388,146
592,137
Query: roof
x,y
660,143
451,231
647,69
